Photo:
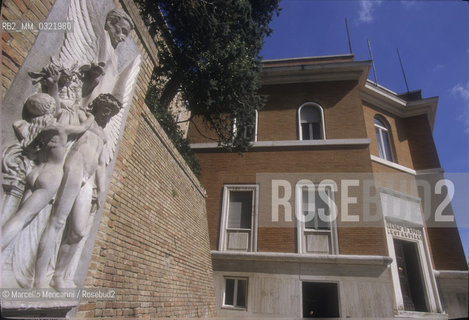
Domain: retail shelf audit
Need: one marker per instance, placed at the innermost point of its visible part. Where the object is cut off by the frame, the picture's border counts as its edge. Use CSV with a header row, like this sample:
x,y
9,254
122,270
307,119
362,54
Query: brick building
x,y
328,213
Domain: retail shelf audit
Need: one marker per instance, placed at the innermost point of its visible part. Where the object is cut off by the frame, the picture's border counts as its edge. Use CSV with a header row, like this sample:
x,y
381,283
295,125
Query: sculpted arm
x,y
101,179
52,81
85,125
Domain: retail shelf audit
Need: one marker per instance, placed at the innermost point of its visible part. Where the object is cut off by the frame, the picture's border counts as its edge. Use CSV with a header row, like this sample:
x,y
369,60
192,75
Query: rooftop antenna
x,y
372,62
402,68
348,36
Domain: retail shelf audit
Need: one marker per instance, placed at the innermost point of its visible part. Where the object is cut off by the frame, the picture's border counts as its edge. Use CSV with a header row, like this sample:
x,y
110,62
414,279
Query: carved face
x,y
104,112
51,139
47,139
118,30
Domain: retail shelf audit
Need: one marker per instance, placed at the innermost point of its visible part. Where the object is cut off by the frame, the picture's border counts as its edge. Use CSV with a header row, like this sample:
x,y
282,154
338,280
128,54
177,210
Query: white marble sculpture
x,y
66,139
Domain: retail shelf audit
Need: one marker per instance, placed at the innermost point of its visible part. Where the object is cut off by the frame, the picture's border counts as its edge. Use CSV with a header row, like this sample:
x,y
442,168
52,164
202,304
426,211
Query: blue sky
x,y
433,40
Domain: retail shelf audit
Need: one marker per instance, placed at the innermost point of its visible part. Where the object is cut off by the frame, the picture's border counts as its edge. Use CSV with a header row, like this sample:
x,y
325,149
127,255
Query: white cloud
x,y
366,11
462,92
438,67
409,4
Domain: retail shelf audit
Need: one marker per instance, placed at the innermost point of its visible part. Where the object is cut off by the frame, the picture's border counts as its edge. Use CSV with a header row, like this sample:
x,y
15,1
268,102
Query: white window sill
x,y
291,143
393,165
421,315
234,308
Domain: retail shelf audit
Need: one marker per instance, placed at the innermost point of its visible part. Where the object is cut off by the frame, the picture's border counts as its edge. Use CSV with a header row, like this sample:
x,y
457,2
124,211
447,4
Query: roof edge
x,y
312,58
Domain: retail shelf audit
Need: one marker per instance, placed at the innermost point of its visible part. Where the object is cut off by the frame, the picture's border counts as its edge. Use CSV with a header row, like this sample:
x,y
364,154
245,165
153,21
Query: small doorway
x,y
410,275
320,300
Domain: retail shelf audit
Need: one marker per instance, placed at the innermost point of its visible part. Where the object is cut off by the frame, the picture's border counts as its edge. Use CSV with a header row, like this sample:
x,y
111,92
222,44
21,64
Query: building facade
x,y
339,208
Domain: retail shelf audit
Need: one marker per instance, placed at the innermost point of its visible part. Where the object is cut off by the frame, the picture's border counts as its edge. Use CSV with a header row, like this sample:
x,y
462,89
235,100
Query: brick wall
x,y
411,139
447,250
276,240
278,120
413,147
421,144
343,118
219,168
152,243
16,45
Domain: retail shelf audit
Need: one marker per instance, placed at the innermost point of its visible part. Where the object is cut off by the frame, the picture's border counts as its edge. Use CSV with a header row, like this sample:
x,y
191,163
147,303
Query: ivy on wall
x,y
170,126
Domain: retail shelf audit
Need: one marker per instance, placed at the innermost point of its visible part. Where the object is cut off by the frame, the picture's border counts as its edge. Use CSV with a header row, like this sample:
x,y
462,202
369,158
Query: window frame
x,y
386,128
254,188
255,128
321,123
235,291
235,128
332,231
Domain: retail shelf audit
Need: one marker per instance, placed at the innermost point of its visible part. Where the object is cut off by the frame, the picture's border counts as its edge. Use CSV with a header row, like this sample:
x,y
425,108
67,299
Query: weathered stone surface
x,y
74,110
150,239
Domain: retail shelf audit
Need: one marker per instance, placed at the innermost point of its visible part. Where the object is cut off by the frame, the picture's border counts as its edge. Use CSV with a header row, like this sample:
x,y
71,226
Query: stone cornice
x,y
302,71
391,102
303,258
291,143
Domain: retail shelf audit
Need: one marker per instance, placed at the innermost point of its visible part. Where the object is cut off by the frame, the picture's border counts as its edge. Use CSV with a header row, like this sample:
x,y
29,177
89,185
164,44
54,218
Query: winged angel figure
x,y
84,95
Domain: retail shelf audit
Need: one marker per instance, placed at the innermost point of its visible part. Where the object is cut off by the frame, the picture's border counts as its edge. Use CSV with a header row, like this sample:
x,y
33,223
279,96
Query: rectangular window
x,y
384,140
320,300
235,293
312,204
238,218
316,226
240,210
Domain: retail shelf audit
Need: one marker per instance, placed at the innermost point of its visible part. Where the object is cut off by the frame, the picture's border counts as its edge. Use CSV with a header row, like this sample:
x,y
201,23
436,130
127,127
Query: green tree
x,y
210,50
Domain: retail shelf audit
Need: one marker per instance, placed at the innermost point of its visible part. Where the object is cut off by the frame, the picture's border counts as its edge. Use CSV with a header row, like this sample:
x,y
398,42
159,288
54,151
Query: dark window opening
x,y
235,293
311,131
320,300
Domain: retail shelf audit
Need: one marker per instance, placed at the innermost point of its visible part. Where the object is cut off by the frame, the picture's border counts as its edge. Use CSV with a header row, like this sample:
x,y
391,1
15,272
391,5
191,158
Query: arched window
x,y
311,122
383,136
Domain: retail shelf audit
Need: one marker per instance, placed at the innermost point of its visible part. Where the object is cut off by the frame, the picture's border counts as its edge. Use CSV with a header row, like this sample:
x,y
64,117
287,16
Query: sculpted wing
x,y
81,45
123,91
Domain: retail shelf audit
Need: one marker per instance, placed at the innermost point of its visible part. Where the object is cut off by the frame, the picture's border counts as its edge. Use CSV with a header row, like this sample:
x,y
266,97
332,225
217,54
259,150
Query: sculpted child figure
x,y
49,148
84,166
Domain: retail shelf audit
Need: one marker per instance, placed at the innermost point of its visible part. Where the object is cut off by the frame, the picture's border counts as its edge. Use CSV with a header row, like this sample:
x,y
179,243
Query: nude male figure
x,y
84,165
